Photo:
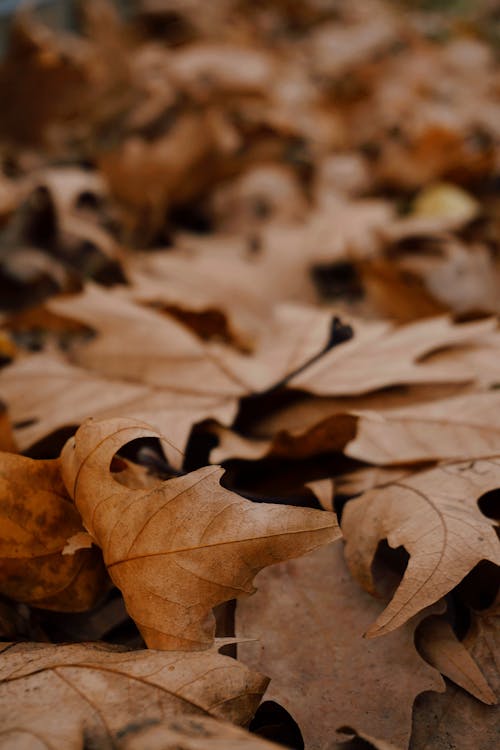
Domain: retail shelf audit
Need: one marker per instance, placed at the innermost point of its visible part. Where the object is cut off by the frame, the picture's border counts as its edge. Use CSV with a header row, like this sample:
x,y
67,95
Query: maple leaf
x,y
37,518
334,676
101,689
434,515
177,550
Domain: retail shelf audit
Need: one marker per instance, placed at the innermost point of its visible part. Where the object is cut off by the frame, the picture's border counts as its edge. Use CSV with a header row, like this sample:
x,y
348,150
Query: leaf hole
x,y
489,504
273,722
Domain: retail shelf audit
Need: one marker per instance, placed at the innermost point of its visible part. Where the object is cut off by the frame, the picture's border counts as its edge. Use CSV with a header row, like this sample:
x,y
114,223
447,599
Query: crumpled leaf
x,y
181,548
100,689
37,518
434,515
308,617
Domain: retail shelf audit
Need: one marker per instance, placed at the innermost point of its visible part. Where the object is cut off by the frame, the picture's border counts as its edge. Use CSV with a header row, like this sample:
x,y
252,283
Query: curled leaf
x,y
37,518
177,550
434,515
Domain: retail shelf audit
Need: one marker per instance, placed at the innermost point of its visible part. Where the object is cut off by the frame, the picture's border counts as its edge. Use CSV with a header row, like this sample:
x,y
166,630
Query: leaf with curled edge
x,y
99,689
435,516
37,518
181,548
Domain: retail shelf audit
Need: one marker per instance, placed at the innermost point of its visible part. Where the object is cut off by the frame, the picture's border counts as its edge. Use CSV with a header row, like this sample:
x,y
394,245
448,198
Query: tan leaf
x,y
159,351
454,718
45,393
185,733
99,690
379,356
181,548
439,646
37,518
309,616
463,427
434,515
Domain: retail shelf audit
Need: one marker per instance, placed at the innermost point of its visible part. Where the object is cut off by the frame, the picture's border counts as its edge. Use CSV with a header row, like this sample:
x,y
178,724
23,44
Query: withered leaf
x,y
188,544
99,689
439,645
455,718
308,617
435,516
379,356
200,733
37,517
46,393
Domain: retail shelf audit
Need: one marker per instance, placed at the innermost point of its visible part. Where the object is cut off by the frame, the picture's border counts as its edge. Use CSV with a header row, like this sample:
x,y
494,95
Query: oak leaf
x,y
455,718
435,516
462,427
334,676
186,545
100,689
46,393
440,647
380,355
37,518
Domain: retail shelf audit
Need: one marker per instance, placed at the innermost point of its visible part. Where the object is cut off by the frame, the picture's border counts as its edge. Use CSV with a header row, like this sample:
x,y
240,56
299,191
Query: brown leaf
x,y
99,690
434,515
37,518
309,617
7,442
455,719
440,647
45,394
379,356
463,427
178,550
185,733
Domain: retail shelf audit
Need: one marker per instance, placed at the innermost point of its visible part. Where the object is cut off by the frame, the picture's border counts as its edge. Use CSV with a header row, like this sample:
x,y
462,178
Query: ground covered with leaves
x,y
250,371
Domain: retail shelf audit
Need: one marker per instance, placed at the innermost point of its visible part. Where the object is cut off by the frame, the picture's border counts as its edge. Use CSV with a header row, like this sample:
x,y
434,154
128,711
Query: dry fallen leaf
x,y
37,518
7,442
461,427
379,356
181,548
102,690
454,718
435,516
200,733
439,646
308,617
46,393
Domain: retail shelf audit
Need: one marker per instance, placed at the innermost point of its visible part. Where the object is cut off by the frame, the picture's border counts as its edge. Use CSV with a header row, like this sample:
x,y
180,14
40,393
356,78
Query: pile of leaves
x,y
249,288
